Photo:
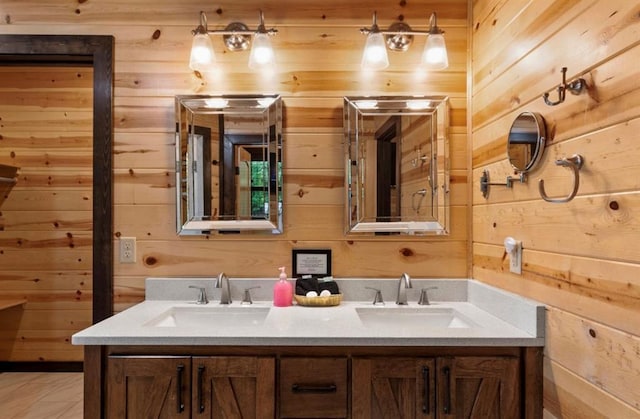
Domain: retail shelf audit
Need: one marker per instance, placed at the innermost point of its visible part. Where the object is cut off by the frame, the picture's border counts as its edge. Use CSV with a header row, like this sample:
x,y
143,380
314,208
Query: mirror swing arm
x,y
485,183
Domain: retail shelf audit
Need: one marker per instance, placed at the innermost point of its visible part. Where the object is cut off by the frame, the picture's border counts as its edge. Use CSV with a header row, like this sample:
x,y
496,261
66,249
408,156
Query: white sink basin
x,y
412,317
211,316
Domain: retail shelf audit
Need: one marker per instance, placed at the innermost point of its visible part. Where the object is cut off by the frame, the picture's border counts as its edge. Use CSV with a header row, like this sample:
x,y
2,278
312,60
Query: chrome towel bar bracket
x,y
575,163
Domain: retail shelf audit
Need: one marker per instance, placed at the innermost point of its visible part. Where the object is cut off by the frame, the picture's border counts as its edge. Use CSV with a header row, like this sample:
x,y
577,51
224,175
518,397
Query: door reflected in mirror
x,y
229,164
397,178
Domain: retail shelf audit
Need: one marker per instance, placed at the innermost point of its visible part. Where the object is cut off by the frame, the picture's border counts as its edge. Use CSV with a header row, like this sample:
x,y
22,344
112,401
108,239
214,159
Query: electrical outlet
x,y
127,250
515,259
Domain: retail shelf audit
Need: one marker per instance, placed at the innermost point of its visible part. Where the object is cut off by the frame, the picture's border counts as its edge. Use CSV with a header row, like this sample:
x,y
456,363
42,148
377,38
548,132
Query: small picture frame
x,y
313,262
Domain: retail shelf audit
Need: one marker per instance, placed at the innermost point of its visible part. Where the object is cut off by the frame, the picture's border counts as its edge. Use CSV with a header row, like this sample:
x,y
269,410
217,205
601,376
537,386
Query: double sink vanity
x,y
469,350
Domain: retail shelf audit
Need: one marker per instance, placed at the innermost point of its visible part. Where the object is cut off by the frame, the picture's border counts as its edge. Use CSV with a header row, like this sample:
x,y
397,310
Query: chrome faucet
x,y
403,284
223,283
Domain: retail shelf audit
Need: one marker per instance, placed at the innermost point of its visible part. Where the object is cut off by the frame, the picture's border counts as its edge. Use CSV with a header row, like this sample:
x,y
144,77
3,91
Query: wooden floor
x,y
35,395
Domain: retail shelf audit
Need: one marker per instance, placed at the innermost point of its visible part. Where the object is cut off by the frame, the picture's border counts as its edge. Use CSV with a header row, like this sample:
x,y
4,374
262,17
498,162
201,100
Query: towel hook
x,y
574,162
575,86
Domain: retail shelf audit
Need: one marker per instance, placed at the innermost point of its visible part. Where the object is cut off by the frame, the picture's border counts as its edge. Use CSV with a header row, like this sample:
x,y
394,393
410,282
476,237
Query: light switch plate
x,y
127,250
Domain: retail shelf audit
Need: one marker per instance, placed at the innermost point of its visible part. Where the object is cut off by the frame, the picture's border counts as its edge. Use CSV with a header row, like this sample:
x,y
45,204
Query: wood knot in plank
x,y
405,251
150,261
301,193
156,34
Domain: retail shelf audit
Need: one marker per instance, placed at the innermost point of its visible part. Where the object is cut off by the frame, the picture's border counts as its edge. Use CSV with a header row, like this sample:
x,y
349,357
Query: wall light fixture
x,y
399,37
236,37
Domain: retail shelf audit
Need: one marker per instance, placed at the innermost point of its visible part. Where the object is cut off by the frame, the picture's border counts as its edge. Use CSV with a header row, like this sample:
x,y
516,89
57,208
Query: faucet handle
x,y
202,295
247,295
424,297
377,300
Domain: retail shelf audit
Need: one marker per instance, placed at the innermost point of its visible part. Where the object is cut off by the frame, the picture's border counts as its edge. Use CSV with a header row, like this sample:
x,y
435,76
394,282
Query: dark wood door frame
x,y
97,51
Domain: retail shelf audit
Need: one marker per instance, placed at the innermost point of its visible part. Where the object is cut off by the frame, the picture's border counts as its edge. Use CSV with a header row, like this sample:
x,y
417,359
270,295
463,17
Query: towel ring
x,y
574,162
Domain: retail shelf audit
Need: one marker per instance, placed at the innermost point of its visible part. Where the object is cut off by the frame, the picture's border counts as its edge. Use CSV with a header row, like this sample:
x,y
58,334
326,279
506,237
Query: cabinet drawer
x,y
313,387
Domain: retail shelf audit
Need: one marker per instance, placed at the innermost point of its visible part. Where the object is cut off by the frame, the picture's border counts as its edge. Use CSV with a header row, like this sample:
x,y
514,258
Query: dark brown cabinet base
x,y
313,382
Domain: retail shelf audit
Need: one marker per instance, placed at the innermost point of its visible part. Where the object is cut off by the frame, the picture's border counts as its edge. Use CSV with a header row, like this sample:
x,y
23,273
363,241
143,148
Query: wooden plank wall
x,y
318,49
46,224
582,257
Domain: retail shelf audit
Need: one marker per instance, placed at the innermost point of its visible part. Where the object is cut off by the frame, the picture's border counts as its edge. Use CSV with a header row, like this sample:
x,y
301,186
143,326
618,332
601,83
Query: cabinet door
x,y
478,387
233,387
148,387
393,388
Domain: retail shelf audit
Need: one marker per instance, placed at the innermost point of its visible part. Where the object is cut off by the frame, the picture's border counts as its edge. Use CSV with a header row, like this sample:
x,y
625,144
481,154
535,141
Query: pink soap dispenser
x,y
282,291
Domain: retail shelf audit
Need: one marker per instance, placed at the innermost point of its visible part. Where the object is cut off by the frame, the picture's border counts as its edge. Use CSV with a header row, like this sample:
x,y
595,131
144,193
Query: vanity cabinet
x,y
190,387
442,387
316,382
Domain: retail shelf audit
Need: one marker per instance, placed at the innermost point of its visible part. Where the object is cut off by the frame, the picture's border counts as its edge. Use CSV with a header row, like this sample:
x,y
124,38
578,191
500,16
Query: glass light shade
x,y
202,54
262,55
375,56
434,56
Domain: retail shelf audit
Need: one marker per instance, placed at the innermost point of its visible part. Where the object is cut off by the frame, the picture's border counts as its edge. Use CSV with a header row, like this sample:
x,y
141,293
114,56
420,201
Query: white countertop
x,y
498,318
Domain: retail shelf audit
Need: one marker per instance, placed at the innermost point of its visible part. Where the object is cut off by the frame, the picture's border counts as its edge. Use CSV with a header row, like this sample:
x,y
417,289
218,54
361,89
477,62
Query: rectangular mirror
x,y
228,164
396,164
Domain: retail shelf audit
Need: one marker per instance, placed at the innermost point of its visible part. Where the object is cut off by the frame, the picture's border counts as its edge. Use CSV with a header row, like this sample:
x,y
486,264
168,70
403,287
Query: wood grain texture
x,y
577,256
319,47
566,393
46,239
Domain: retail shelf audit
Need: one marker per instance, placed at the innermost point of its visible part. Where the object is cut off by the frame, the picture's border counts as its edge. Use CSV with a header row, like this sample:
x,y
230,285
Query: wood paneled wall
x,y
318,49
581,258
46,225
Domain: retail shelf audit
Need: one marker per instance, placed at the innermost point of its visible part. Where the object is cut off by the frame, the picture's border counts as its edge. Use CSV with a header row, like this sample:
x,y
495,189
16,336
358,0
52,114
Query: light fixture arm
x,y
202,28
374,26
433,25
433,28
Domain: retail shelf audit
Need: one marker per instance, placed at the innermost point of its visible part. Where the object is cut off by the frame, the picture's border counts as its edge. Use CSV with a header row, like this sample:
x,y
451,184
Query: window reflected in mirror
x,y
229,164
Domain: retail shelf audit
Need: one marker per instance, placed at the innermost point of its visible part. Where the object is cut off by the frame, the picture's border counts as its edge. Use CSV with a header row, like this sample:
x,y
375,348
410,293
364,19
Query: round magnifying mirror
x,y
526,141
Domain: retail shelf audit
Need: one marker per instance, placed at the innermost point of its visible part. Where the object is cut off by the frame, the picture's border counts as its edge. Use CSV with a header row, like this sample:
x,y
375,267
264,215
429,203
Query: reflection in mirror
x,y
228,164
397,177
526,141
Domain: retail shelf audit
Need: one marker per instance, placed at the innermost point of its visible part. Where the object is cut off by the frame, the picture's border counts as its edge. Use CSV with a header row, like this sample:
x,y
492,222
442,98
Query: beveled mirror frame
x,y
434,164
265,108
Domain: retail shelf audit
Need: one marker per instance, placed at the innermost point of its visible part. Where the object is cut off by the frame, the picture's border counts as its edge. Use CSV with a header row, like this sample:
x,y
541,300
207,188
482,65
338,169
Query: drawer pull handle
x,y
179,372
199,389
427,391
447,393
314,388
